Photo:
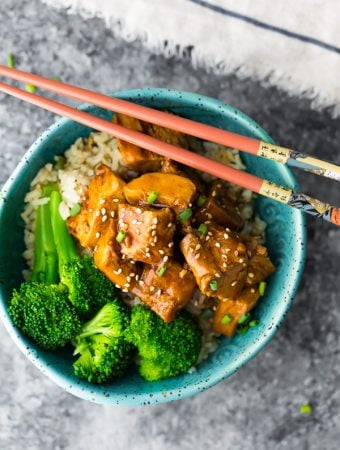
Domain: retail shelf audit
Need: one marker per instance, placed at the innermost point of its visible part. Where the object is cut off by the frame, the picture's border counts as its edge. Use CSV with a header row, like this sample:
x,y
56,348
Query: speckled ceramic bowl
x,y
285,239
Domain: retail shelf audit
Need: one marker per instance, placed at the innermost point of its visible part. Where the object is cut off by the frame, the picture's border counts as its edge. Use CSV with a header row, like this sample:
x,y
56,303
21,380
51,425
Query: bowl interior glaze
x,y
285,240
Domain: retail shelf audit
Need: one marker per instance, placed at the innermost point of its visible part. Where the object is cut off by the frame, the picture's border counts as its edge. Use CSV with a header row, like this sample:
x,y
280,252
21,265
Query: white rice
x,y
80,161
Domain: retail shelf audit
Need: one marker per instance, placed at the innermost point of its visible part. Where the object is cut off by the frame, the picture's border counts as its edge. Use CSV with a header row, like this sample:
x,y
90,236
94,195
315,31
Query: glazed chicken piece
x,y
165,135
174,191
218,261
259,266
134,157
166,293
148,233
108,259
104,193
220,208
234,310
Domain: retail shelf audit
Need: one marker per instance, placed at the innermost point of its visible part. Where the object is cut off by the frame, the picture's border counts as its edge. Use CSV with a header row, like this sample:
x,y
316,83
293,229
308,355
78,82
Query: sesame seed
x,y
209,233
117,286
102,201
207,238
197,255
155,221
252,290
244,265
165,258
120,270
190,205
115,200
123,256
153,233
236,253
227,229
138,232
161,252
137,277
90,210
251,275
112,214
224,265
97,235
169,224
132,261
227,250
159,291
224,256
234,283
209,215
152,244
127,285
217,244
207,222
226,236
152,288
148,255
139,222
125,290
155,239
95,249
182,273
198,246
213,194
171,244
141,282
138,210
97,214
104,218
132,274
128,278
241,260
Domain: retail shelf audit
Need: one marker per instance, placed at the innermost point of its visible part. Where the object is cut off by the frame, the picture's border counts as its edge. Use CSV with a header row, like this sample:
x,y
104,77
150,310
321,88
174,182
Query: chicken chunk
x,y
226,216
172,137
108,259
104,193
149,233
218,261
173,191
134,157
234,310
168,293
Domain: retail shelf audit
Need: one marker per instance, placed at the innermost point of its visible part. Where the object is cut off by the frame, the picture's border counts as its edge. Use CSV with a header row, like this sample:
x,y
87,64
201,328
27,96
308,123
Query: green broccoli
x,y
89,289
104,352
40,307
165,349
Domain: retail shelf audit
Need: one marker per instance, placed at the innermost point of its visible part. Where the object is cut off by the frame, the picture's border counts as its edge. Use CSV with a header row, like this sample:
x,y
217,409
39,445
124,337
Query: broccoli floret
x,y
104,352
40,307
44,313
165,349
88,288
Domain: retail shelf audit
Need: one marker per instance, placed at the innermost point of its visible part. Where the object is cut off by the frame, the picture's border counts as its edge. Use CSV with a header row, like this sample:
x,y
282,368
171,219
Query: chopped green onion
x,y
306,409
186,214
161,271
262,287
30,88
243,329
152,197
226,319
244,318
213,285
75,209
120,236
10,61
254,323
201,200
206,313
60,163
202,229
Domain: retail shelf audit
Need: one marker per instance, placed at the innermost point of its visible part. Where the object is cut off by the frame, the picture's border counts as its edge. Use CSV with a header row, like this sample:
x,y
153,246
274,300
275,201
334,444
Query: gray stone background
x,y
258,408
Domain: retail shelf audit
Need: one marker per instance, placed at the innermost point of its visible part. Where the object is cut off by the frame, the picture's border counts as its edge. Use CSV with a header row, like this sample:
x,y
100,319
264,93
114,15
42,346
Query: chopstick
x,y
257,147
199,162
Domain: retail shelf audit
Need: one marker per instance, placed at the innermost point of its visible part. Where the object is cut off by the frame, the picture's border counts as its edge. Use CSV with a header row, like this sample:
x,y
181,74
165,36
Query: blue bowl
x,y
285,239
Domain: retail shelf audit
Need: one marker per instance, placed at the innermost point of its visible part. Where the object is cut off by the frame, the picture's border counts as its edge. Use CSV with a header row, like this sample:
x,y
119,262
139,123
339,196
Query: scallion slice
x,y
213,285
30,88
161,271
262,287
244,318
202,229
185,215
75,209
10,61
120,236
226,319
201,200
152,197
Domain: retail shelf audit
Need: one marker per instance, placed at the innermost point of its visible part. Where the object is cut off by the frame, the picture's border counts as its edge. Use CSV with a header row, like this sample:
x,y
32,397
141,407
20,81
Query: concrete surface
x,y
258,408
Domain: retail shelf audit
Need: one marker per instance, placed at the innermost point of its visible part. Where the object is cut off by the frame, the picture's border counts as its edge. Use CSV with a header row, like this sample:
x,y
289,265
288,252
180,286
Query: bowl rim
x,y
221,373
